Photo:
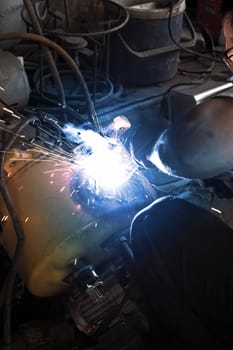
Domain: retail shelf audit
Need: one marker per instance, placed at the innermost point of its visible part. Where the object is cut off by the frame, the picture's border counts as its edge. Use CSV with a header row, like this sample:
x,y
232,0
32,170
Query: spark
x,y
1,88
102,162
4,218
15,116
71,195
10,132
27,219
20,188
78,207
216,210
54,170
8,110
58,139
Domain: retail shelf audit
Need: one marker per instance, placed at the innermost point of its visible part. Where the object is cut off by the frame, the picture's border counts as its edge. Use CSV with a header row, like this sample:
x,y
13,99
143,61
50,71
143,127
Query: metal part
x,y
91,312
95,315
87,280
57,229
14,85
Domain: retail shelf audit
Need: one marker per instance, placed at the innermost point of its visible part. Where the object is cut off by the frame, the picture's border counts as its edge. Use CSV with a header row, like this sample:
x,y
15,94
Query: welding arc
x,y
68,59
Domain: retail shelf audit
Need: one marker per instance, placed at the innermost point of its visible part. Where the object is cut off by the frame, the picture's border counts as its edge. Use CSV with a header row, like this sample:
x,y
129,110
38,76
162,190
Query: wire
x,y
50,59
142,103
44,41
179,45
208,40
75,98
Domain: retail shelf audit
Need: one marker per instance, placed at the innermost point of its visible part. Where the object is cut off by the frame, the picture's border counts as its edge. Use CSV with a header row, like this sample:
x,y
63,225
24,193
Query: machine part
x,y
10,20
58,229
86,280
198,146
14,85
96,315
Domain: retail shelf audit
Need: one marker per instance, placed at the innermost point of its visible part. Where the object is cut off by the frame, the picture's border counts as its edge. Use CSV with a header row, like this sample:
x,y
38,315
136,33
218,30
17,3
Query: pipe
x,y
47,42
51,62
9,283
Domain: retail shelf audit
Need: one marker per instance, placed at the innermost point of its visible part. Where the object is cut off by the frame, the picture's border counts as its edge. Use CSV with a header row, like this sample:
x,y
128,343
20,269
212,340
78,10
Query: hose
x,y
10,280
67,58
51,62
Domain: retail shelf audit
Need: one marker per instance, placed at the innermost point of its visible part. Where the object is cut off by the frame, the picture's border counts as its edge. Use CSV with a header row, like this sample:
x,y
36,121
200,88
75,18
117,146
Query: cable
x,y
47,42
139,103
179,45
208,41
50,59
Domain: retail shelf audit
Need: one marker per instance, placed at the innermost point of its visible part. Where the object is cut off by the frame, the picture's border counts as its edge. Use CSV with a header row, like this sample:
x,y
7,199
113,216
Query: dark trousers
x,y
184,265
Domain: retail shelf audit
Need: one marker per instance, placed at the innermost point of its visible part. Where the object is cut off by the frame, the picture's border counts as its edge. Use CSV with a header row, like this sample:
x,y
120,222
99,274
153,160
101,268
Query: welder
x,y
184,254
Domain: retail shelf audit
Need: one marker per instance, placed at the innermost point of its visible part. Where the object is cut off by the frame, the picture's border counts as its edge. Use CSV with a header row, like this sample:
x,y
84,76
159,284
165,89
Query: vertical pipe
x,y
48,54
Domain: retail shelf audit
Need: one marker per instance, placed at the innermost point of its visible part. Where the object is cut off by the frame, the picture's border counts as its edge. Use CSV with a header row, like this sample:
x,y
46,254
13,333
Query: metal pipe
x,y
51,62
9,284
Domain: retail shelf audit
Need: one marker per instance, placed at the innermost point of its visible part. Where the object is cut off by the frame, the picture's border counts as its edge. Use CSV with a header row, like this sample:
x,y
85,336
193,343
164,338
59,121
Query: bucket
x,y
143,53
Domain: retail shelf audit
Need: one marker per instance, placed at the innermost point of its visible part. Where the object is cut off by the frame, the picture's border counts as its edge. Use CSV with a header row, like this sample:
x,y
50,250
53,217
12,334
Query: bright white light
x,y
104,164
216,210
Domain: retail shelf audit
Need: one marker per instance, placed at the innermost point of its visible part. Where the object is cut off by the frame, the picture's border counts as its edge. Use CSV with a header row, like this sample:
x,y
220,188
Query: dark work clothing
x,y
227,5
184,264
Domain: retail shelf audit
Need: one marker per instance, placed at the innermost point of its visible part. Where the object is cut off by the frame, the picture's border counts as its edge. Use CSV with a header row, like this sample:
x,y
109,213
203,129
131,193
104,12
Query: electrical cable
x,y
50,59
148,100
69,60
208,39
179,45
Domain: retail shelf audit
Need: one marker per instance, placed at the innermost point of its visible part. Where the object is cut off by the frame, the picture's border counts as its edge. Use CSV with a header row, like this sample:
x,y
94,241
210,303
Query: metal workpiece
x,y
59,227
11,20
14,85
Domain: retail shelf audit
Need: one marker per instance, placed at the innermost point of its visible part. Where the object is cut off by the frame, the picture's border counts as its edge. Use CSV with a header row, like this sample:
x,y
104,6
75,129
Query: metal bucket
x,y
143,52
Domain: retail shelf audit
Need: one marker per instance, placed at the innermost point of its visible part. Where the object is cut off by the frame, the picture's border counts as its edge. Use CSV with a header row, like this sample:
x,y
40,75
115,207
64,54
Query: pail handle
x,y
165,49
